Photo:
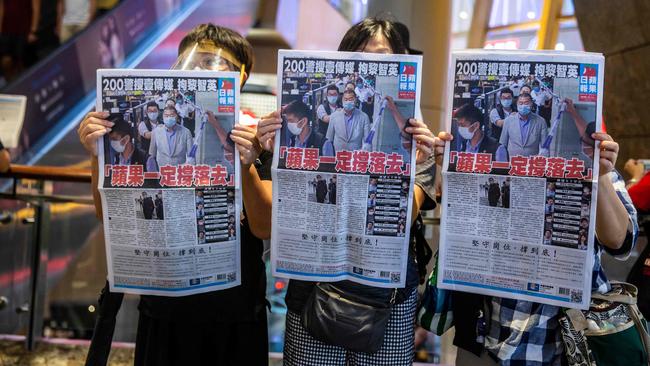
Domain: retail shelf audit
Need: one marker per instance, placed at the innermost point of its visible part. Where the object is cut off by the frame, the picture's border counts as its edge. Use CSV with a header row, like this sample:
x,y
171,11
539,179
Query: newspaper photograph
x,y
169,180
520,175
342,170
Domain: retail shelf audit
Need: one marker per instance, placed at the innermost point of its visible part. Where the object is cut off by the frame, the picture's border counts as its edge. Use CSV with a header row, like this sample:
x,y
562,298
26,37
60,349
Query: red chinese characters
x,y
119,176
201,175
136,176
294,157
168,176
310,159
218,176
394,164
377,162
343,161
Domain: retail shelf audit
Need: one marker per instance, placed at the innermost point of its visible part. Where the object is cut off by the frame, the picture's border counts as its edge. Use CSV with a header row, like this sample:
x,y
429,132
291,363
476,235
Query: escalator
x,y
60,91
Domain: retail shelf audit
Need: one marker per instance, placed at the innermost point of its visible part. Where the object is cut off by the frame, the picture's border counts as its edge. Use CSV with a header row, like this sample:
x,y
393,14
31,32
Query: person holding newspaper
x,y
526,333
301,348
215,327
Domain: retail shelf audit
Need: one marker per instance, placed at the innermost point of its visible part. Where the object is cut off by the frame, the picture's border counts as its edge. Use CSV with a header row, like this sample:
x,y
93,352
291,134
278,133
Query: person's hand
x,y
570,107
608,152
92,128
212,119
424,140
32,37
439,143
247,144
390,103
634,169
266,129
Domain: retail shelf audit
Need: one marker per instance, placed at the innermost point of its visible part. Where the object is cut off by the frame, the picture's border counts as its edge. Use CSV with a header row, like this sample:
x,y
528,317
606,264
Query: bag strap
x,y
643,332
629,297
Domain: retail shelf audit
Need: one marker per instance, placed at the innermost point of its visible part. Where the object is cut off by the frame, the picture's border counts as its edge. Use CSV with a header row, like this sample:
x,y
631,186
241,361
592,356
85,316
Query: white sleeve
x,y
320,112
142,128
494,116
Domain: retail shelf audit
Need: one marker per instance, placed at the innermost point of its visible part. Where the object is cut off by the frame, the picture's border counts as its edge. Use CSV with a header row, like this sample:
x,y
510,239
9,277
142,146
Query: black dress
x,y
226,327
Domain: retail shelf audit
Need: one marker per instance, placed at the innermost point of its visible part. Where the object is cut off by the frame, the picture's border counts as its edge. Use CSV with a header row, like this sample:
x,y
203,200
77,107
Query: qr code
x,y
232,276
395,277
384,274
564,291
576,296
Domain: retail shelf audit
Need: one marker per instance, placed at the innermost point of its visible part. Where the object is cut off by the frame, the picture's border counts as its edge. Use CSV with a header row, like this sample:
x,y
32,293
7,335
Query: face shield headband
x,y
208,56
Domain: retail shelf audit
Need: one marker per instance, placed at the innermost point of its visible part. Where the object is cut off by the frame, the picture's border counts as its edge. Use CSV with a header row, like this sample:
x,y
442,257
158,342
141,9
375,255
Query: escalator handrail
x,y
48,173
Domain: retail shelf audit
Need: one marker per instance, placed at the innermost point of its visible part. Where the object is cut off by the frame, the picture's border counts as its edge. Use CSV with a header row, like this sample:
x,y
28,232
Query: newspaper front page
x,y
343,168
169,181
520,184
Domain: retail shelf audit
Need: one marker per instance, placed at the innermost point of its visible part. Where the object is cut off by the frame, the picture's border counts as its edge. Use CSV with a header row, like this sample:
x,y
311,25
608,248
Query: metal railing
x,y
39,249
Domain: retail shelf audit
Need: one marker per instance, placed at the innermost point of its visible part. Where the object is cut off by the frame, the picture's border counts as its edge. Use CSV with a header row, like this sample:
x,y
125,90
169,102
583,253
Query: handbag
x,y
612,332
435,314
339,317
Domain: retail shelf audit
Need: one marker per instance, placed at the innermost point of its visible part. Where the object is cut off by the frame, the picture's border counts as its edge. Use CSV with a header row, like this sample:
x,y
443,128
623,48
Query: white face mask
x,y
169,121
152,115
294,129
332,99
117,145
465,133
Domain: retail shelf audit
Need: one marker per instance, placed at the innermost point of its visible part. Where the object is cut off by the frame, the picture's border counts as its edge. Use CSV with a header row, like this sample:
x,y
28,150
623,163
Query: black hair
x,y
348,91
227,38
470,113
152,104
298,109
507,91
120,126
357,37
333,87
525,95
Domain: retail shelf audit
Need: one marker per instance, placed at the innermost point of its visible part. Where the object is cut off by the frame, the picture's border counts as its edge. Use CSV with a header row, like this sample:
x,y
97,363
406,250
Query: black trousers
x,y
162,342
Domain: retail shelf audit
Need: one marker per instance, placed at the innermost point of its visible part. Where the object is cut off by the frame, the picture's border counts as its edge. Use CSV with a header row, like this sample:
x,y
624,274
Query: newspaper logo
x,y
407,80
226,96
588,88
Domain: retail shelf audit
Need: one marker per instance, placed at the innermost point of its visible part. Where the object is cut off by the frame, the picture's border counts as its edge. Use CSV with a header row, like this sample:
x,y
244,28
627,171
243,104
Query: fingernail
x,y
106,113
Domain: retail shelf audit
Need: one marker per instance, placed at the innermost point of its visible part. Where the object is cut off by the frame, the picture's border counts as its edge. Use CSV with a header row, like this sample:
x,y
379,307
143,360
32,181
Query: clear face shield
x,y
206,55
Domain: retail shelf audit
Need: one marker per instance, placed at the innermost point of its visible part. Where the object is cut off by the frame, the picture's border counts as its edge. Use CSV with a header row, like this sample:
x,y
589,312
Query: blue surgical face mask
x,y
348,105
523,109
169,121
536,89
332,99
506,103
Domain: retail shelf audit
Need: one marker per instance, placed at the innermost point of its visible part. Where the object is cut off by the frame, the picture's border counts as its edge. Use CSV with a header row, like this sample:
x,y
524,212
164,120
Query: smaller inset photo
x,y
494,191
322,189
149,204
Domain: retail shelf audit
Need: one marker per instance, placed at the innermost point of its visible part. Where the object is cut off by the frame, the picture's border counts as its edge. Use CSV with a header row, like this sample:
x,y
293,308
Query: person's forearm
x,y
580,123
499,123
221,133
36,14
94,163
612,218
399,119
418,200
257,197
5,160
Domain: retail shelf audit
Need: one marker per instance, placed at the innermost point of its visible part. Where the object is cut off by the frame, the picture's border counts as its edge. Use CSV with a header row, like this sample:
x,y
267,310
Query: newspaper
x,y
170,196
12,115
343,179
520,194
